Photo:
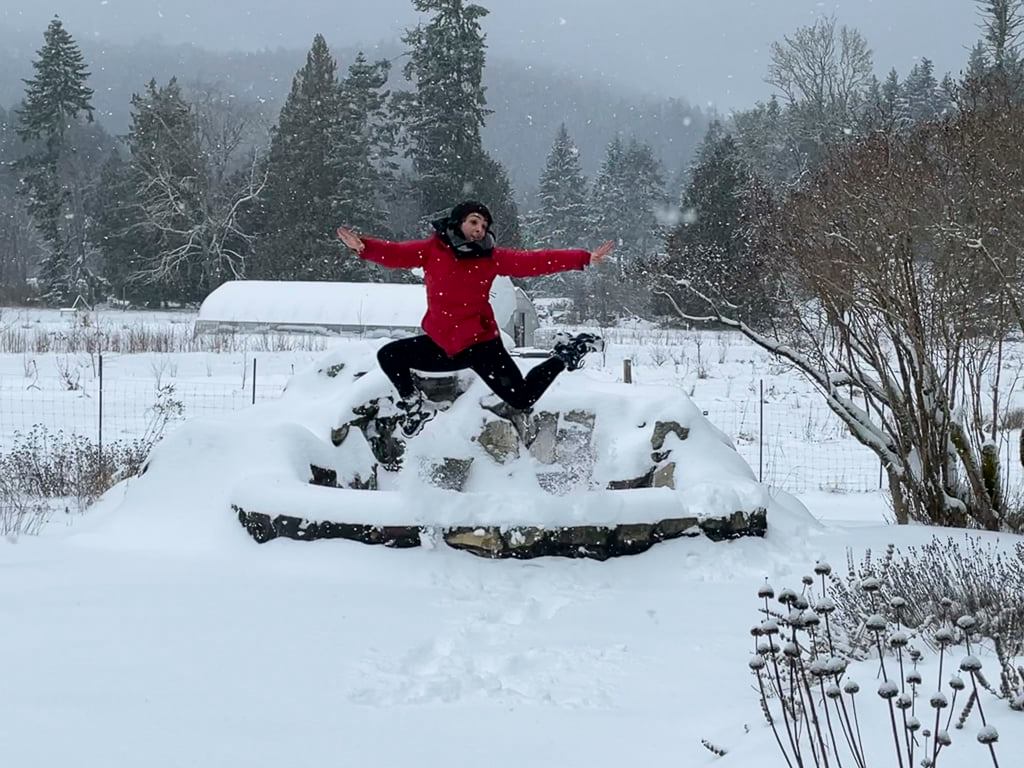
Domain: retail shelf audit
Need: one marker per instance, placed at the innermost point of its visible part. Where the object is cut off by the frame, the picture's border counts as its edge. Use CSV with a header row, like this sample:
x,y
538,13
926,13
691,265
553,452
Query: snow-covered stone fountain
x,y
597,469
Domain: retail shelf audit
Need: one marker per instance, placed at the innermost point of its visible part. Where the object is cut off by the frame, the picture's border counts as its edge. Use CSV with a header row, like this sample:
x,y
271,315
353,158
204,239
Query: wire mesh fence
x,y
123,410
799,449
808,448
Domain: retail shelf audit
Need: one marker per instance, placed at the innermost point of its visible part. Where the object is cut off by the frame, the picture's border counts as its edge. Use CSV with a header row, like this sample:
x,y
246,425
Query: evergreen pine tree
x,y
16,243
298,202
7,135
871,113
950,91
1002,26
978,63
893,105
55,97
973,82
593,295
923,97
886,106
1003,78
708,246
363,149
629,195
57,94
562,218
628,202
446,109
763,136
646,202
120,234
490,183
362,158
608,197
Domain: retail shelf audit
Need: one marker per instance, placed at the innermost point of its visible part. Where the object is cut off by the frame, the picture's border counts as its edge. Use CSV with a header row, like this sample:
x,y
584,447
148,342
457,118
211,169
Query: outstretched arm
x,y
516,263
384,252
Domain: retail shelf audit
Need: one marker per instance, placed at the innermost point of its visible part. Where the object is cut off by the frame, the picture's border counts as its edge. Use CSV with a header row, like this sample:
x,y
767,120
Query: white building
x,y
373,309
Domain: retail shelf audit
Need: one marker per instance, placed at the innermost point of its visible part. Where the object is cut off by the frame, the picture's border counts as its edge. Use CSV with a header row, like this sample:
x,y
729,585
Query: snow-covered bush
x,y
19,512
42,464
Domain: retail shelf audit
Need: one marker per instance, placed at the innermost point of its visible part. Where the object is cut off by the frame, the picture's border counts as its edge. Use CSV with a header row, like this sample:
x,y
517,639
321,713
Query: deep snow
x,y
152,631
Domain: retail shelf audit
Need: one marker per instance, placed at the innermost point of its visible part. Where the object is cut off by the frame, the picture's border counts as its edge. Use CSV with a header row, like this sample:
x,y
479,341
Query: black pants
x,y
488,359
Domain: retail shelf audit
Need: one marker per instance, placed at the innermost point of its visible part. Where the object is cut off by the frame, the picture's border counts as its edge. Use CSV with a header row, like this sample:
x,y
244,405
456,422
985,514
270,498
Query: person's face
x,y
474,227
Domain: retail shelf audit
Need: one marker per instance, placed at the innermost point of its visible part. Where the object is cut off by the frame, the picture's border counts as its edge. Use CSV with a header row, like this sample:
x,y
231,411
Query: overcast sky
x,y
703,50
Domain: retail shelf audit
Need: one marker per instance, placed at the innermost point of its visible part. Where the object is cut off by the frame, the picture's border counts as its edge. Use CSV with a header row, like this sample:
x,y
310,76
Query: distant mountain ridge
x,y
528,102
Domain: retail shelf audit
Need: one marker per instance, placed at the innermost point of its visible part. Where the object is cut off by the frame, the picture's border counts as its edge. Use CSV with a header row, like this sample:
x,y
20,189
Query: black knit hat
x,y
463,209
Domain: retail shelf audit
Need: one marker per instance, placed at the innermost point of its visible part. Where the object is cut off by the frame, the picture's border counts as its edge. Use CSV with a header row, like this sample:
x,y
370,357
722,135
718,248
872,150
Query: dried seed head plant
x,y
893,612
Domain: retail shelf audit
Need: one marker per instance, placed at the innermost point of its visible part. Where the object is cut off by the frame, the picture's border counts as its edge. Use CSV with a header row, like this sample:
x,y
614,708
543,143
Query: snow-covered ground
x,y
132,638
335,653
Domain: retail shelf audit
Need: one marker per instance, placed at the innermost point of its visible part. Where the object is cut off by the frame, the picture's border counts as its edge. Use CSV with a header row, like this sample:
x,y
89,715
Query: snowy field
x,y
159,637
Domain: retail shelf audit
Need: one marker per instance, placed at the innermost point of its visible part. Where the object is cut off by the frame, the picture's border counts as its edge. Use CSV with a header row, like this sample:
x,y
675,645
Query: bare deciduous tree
x,y
208,247
229,128
194,179
901,265
823,73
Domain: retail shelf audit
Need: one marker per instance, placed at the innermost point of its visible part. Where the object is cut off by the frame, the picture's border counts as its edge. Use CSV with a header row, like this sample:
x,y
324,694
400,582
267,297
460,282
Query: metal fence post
x,y
254,380
1006,471
100,398
760,438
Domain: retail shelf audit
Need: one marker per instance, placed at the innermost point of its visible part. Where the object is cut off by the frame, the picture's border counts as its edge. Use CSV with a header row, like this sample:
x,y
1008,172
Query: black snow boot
x,y
572,349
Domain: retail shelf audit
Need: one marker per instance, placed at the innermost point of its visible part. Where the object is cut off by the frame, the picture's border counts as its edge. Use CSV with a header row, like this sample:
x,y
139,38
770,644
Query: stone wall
x,y
519,542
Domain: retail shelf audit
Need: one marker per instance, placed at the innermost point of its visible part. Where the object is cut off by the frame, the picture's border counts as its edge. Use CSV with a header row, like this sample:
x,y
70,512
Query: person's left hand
x,y
351,239
600,253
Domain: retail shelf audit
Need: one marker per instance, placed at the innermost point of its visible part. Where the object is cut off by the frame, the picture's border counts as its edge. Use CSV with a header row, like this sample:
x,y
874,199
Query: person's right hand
x,y
351,239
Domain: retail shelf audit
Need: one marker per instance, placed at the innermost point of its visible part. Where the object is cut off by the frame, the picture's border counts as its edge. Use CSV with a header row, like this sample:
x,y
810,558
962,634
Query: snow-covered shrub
x,y
19,512
43,465
658,354
803,649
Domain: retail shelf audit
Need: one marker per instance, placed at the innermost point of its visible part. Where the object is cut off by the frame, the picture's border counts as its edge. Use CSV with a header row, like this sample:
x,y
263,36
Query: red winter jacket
x,y
459,312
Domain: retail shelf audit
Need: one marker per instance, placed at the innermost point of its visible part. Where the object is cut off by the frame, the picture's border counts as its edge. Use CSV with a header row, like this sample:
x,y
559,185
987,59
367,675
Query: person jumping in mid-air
x,y
460,261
